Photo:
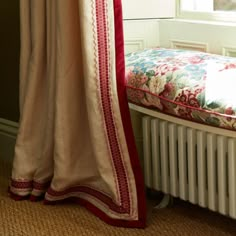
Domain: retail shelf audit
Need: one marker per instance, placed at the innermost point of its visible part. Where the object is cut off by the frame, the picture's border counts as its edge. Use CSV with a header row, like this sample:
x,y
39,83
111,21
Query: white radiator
x,y
191,164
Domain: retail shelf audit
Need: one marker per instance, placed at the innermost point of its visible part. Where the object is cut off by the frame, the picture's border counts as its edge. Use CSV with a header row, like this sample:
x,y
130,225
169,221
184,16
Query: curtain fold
x,y
75,138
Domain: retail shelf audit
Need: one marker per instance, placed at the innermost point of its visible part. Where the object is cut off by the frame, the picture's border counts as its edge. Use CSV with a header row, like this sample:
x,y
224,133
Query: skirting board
x,y
8,127
8,133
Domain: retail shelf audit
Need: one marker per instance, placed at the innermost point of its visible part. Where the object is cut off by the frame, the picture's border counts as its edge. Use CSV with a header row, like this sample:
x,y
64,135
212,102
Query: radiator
x,y
193,165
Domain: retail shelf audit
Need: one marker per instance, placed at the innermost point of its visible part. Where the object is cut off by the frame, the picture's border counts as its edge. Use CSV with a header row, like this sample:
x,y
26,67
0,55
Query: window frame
x,y
229,17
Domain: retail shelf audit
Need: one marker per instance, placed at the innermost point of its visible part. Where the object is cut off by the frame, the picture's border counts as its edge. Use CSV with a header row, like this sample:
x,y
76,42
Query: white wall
x,y
205,36
147,9
140,34
141,22
211,37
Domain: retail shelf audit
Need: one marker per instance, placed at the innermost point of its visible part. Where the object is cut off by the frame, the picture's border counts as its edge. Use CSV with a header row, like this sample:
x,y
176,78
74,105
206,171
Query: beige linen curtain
x,y
75,139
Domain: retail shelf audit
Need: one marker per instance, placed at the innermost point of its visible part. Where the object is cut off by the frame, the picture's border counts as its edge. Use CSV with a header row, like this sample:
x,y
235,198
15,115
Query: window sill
x,y
206,22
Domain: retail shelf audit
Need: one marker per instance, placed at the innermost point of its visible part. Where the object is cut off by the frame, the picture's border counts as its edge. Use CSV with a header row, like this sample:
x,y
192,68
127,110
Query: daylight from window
x,y
220,86
208,5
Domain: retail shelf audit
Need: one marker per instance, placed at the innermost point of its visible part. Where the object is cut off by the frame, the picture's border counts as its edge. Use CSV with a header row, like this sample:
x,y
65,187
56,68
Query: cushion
x,y
192,85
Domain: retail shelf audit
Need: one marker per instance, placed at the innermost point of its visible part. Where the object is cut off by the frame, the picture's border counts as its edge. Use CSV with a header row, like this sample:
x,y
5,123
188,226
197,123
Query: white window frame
x,y
205,16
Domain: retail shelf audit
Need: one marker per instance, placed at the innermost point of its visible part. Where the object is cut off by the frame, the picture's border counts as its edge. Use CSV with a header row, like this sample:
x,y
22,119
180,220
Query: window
x,y
220,10
225,5
194,5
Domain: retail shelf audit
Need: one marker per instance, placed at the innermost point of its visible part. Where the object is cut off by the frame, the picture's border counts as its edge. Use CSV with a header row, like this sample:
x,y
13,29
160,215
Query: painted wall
x,y
148,9
141,23
140,34
219,38
9,59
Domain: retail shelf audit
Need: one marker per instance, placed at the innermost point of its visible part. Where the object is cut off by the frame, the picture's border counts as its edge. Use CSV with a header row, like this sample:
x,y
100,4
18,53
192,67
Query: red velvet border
x,y
124,109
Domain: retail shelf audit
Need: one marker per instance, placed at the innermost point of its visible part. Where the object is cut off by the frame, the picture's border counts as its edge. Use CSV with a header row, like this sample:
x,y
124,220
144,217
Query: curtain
x,y
75,139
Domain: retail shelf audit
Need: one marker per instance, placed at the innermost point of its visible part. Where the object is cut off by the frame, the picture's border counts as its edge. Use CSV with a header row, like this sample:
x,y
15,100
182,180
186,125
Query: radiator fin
x,y
202,169
232,177
156,152
222,175
182,162
174,190
164,157
147,151
192,167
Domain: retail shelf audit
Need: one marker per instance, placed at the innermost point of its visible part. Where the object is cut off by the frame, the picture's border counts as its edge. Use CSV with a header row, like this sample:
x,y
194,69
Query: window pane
x,y
225,5
197,5
216,10
208,5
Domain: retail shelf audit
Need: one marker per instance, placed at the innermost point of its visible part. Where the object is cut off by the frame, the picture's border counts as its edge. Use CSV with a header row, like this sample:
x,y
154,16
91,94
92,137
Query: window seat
x,y
191,85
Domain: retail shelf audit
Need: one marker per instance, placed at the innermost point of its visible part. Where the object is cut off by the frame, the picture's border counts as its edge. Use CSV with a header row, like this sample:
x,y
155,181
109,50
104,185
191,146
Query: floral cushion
x,y
192,85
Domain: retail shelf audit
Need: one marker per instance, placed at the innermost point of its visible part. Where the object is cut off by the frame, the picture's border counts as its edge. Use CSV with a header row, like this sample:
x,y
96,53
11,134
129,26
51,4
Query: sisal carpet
x,y
35,219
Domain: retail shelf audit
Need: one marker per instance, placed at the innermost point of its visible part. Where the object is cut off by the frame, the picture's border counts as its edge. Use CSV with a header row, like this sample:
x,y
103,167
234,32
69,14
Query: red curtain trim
x,y
100,214
124,109
102,29
96,211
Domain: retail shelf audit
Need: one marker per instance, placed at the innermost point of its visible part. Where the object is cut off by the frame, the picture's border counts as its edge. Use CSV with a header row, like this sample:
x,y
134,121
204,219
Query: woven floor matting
x,y
35,219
